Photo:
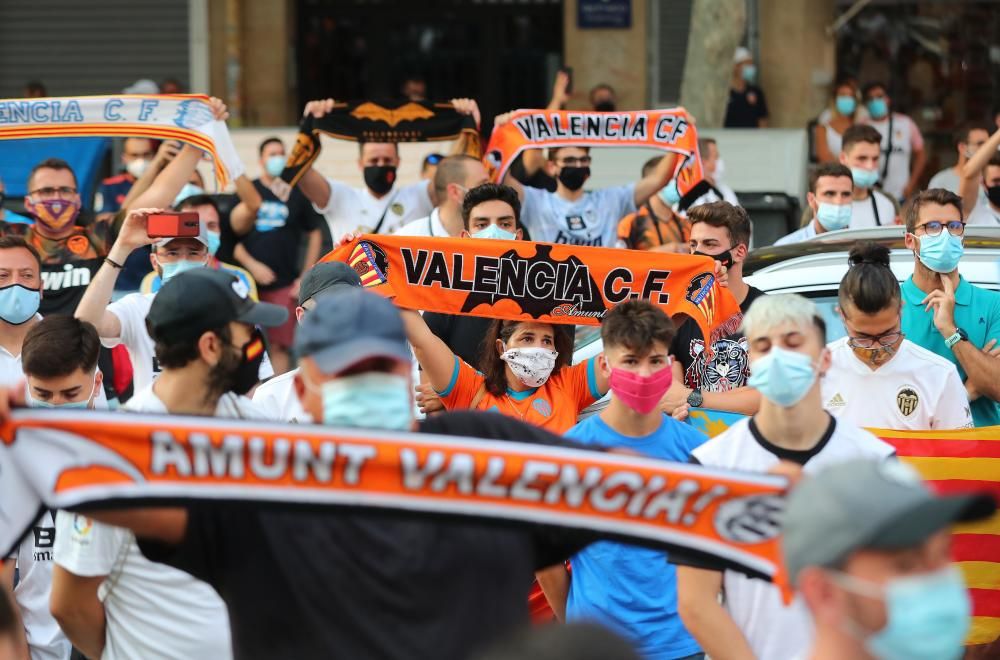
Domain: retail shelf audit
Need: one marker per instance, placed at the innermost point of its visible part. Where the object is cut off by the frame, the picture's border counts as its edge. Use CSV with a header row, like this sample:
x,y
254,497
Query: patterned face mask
x,y
532,366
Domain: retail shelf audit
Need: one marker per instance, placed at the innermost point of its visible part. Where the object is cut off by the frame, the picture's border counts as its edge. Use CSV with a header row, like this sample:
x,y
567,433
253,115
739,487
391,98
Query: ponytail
x,y
869,285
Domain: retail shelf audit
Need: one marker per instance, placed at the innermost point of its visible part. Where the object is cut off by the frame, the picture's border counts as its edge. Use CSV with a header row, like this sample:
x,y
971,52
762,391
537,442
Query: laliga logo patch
x,y
191,114
371,264
240,288
750,519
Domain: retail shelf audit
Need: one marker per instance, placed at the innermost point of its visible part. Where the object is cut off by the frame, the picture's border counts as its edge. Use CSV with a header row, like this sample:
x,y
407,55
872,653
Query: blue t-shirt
x,y
977,311
629,589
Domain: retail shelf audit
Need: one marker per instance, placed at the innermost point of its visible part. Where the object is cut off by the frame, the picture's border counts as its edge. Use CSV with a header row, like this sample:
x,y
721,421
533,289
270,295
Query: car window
x,y
586,335
827,306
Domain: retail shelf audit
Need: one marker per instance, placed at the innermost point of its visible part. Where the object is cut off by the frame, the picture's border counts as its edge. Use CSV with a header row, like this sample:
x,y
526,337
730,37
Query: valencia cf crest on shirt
x,y
907,400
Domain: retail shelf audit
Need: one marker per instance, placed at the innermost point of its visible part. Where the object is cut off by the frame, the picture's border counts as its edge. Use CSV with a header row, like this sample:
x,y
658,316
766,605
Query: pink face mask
x,y
641,393
55,214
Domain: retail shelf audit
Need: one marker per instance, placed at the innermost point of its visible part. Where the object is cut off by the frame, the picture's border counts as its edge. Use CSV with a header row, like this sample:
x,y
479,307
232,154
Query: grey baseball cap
x,y
864,504
204,299
351,326
327,276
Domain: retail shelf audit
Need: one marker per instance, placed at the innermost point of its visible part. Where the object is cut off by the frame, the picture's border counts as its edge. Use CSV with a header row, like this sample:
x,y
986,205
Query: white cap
x,y
742,54
142,86
202,236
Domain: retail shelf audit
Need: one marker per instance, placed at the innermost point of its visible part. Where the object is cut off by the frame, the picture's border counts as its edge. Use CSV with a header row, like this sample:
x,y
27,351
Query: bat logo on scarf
x,y
392,117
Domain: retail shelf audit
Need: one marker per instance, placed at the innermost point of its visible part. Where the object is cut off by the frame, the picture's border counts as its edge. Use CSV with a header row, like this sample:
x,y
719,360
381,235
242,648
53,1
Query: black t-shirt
x,y
745,109
343,584
730,365
277,235
463,334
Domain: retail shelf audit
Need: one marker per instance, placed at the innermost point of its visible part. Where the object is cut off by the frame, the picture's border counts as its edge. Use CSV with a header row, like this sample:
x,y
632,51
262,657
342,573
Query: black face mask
x,y
574,177
605,106
993,194
379,178
724,258
238,371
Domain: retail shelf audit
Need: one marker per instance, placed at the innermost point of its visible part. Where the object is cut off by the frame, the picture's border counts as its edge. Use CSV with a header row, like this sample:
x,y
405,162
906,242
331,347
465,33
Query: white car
x,y
815,267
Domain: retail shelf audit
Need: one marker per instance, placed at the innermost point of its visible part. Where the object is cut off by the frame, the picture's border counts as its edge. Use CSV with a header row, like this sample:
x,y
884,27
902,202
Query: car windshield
x,y
826,302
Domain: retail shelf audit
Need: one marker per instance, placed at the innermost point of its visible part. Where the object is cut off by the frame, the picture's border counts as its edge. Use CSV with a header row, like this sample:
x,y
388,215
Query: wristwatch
x,y
695,399
960,335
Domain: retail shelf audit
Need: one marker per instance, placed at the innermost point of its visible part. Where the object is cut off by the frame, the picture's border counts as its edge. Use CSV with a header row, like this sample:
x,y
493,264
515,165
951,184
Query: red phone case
x,y
173,224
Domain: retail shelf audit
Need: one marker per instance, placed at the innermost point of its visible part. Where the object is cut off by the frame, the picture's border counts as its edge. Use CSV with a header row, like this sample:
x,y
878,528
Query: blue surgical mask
x,y
750,72
495,232
214,241
878,108
175,268
275,165
864,178
782,377
669,193
18,303
927,615
189,190
941,253
846,105
69,405
833,216
372,400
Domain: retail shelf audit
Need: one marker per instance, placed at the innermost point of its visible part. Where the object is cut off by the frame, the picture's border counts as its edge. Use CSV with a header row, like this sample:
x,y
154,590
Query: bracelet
x,y
114,263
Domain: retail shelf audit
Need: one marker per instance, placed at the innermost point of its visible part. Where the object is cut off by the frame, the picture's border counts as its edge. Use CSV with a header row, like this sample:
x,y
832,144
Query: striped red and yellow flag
x,y
958,462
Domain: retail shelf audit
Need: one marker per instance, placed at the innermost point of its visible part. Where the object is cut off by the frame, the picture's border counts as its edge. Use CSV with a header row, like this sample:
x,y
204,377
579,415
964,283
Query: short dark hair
x,y
486,192
911,212
35,86
198,200
961,134
636,324
875,84
451,170
828,169
494,369
723,214
860,133
274,139
869,284
598,87
12,242
703,143
650,165
994,161
554,151
178,353
51,164
361,146
58,345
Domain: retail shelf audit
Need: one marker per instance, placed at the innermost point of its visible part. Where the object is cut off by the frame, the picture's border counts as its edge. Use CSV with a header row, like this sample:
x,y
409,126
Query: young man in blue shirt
x,y
629,589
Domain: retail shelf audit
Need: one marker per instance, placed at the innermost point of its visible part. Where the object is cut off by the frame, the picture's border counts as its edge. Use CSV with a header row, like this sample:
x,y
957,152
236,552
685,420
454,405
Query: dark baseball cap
x,y
204,299
865,504
349,327
327,276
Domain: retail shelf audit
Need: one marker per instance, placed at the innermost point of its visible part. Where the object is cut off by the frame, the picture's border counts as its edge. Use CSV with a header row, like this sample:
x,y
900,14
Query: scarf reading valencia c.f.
x,y
68,460
371,121
670,130
545,282
184,117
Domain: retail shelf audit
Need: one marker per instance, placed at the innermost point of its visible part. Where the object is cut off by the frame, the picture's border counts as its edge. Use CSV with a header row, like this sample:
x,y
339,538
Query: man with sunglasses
x,y
575,216
943,312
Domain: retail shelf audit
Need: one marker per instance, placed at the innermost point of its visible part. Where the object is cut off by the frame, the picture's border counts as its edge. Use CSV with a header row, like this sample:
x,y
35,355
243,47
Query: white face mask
x,y
137,167
532,366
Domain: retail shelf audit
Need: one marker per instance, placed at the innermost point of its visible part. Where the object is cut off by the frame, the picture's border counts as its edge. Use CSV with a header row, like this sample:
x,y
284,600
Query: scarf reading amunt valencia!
x,y
371,121
187,118
670,130
544,282
68,460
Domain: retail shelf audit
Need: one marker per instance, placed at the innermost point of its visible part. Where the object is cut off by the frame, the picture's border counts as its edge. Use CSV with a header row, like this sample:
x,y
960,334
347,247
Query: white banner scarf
x,y
184,117
68,460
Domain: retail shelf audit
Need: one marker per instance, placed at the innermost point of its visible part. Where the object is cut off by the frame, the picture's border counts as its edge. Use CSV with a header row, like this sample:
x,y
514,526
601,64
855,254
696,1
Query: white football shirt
x,y
863,212
906,139
356,209
46,640
429,226
277,399
914,391
772,629
590,220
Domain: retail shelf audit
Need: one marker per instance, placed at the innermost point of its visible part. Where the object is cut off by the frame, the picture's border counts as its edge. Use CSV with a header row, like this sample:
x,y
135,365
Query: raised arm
x,y
313,184
659,177
164,156
93,306
509,180
973,171
244,214
461,145
560,97
434,356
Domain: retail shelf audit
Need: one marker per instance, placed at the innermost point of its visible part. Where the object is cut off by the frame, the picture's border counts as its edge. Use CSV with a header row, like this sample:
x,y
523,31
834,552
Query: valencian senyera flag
x,y
186,118
68,460
544,282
